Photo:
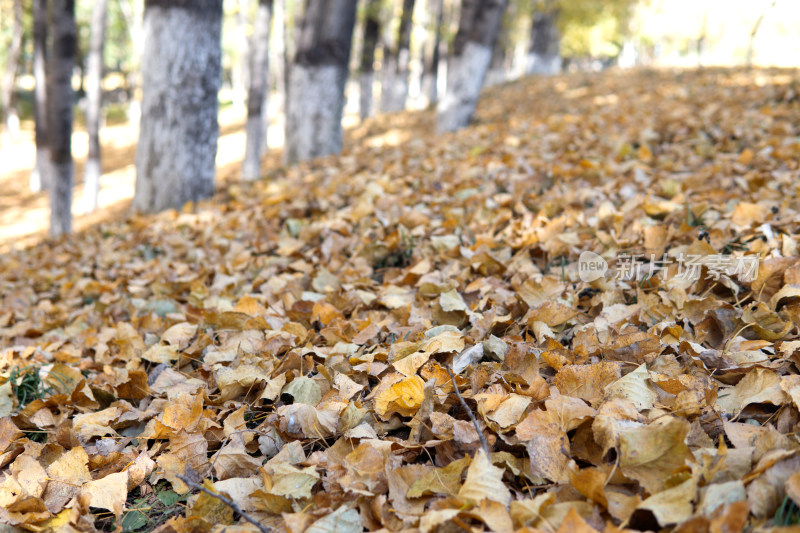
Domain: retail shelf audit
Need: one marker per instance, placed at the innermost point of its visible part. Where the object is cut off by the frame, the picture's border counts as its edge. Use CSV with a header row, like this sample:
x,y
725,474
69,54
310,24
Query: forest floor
x,y
580,313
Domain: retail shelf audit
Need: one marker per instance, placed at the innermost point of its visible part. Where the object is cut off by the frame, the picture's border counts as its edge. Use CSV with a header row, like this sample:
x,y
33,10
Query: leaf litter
x,y
400,338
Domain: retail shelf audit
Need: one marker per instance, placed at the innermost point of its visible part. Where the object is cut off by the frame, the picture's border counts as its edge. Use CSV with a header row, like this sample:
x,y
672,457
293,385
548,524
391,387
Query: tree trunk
x,y
478,29
130,10
497,66
8,113
430,76
372,30
181,71
317,79
258,93
240,82
279,66
40,176
94,105
61,99
544,55
397,89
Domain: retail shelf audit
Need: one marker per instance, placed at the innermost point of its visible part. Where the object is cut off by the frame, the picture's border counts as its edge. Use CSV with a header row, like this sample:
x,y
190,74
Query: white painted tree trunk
x,y
317,78
314,120
278,64
9,80
430,76
397,66
94,106
365,83
181,70
398,90
258,93
388,74
241,69
464,82
478,30
61,99
372,30
39,178
544,54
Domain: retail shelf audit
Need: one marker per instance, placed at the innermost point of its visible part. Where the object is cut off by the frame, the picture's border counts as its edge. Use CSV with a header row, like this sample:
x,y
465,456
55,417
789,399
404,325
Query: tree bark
x,y
258,93
497,66
240,82
397,89
430,76
94,105
317,78
372,30
181,70
61,99
544,55
8,114
478,29
279,66
130,10
39,178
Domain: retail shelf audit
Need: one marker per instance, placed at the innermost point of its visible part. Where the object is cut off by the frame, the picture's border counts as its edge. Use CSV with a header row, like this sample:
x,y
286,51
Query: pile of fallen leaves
x,y
288,347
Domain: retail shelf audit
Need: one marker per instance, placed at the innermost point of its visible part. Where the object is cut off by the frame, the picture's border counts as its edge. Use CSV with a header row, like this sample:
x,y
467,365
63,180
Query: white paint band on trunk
x,y
464,84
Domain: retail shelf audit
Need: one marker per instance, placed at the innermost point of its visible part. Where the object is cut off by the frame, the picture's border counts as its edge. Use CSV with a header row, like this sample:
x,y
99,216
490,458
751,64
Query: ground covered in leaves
x,y
287,347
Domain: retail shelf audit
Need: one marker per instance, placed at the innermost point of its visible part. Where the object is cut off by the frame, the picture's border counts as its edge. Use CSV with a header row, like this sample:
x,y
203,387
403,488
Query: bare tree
x,y
258,93
8,113
397,61
181,71
478,28
40,176
61,99
372,31
317,77
94,105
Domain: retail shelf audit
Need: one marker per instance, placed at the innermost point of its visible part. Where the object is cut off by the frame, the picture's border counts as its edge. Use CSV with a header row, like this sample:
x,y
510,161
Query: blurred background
x,y
537,37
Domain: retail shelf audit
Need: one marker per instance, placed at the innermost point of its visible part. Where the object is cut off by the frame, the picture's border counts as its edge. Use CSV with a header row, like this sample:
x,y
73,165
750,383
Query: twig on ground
x,y
469,412
226,501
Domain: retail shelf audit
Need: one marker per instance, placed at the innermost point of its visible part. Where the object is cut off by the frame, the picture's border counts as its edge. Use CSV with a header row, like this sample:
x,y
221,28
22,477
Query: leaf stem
x,y
469,412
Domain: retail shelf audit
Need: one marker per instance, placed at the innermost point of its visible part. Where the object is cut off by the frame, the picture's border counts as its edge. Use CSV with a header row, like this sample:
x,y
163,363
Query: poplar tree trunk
x,y
240,82
279,66
8,114
130,10
478,29
258,93
544,56
39,178
497,66
430,75
61,99
372,30
315,99
94,105
397,87
181,70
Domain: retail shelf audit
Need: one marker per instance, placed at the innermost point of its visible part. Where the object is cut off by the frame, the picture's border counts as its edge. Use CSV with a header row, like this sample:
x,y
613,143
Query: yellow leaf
x,y
484,482
404,398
